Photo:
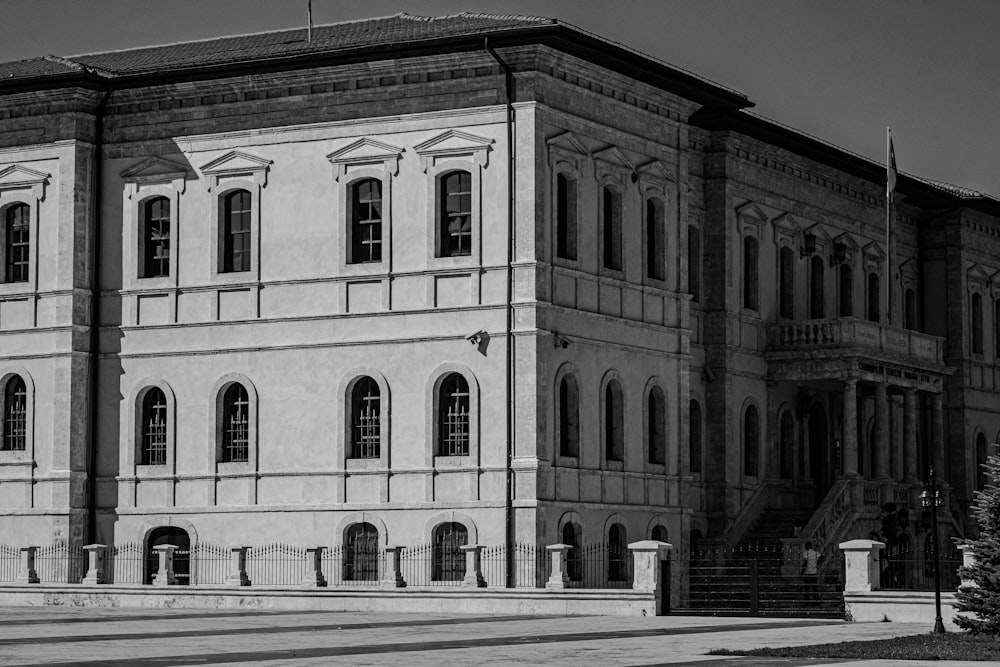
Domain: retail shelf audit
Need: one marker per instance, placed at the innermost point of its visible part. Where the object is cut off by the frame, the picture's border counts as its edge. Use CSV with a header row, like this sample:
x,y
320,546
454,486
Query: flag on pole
x,y
309,8
890,164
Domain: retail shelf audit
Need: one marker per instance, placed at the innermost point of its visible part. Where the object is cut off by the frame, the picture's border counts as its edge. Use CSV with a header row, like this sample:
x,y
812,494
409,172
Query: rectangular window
x,y
366,222
612,221
18,243
236,232
565,217
456,214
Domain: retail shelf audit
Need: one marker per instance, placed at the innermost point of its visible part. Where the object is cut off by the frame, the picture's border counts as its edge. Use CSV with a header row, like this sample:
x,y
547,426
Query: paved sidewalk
x,y
134,637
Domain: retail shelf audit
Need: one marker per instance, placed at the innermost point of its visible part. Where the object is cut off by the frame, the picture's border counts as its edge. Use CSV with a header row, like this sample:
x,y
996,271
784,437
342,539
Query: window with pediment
x,y
155,235
366,221
566,220
611,225
17,243
235,232
455,214
750,275
656,234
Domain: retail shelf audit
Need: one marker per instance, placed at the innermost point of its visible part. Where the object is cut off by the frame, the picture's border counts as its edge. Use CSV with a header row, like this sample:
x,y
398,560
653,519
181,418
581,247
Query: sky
x,y
841,70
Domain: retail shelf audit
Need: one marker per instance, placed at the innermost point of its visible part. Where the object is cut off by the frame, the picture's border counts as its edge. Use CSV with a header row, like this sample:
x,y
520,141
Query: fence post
x,y
393,577
473,566
95,565
165,575
792,549
861,565
559,576
754,586
968,560
28,574
313,577
647,571
237,567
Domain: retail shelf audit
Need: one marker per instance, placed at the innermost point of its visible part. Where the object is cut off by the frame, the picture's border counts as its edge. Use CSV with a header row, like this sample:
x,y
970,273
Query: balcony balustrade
x,y
868,337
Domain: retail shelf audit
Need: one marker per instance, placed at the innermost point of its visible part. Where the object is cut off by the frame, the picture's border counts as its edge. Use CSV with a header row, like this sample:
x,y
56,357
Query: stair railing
x,y
755,506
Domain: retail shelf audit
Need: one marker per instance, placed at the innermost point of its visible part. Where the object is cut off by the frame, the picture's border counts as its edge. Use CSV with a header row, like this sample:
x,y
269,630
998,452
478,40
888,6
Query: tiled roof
x,y
401,28
955,190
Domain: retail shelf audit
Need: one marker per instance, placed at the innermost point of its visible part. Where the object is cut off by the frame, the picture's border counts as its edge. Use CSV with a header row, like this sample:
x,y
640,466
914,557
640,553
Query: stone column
x,y
95,565
313,576
862,573
968,560
646,569
910,436
393,577
881,435
27,574
849,436
473,566
558,575
937,436
237,567
165,575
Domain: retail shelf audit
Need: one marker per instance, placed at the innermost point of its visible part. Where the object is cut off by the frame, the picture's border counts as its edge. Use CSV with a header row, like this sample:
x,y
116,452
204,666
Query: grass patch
x,y
948,646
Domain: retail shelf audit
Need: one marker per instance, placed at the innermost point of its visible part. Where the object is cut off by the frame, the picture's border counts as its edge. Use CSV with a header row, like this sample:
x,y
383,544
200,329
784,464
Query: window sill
x,y
567,461
365,464
16,289
350,270
15,457
452,461
614,465
151,470
234,277
233,467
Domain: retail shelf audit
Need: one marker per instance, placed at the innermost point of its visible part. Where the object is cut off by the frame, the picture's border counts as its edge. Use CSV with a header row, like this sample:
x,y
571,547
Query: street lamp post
x,y
931,498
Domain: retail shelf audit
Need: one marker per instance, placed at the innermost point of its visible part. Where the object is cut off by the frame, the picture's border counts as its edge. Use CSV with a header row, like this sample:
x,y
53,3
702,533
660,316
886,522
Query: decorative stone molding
x,y
237,164
155,171
16,177
366,152
751,220
566,147
454,144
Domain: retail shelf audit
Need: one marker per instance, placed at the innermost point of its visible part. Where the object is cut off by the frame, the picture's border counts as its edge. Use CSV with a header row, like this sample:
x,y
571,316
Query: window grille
x,y
612,223
235,425
565,217
750,273
454,416
156,239
361,557
18,248
366,222
448,557
569,417
366,416
456,214
656,414
655,241
614,422
154,435
617,553
236,240
15,416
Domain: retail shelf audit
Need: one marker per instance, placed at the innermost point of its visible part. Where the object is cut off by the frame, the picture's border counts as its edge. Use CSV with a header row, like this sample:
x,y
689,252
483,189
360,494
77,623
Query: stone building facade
x,y
486,273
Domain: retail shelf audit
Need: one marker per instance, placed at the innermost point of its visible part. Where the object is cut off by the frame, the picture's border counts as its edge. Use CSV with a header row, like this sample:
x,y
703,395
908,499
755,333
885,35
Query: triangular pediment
x,y
453,142
235,162
977,273
874,249
16,175
695,201
154,168
818,231
787,223
567,141
752,212
657,169
614,157
995,278
365,150
848,241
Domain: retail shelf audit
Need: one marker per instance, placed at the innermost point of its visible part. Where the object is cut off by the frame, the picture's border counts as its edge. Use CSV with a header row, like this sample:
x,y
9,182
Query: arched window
x,y
154,428
817,276
846,290
694,436
659,533
453,416
617,553
656,427
235,425
17,243
569,417
366,221
751,442
611,221
448,557
366,419
565,216
982,478
15,416
910,309
786,279
874,296
787,445
361,553
573,536
234,232
694,262
614,422
977,324
750,273
655,240
155,238
455,210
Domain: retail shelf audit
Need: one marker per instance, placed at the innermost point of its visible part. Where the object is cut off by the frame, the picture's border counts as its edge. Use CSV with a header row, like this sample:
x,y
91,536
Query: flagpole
x,y
889,186
309,10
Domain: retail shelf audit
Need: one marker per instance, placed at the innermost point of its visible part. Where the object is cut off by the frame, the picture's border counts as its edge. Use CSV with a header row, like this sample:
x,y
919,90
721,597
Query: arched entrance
x,y
182,555
820,465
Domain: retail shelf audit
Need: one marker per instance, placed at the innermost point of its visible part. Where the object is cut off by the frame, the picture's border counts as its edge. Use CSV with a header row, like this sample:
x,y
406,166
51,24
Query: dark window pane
x,y
456,214
655,241
18,243
750,273
237,211
448,557
453,416
154,428
817,301
612,223
565,217
694,435
846,291
656,427
15,416
156,238
366,419
235,425
366,222
614,423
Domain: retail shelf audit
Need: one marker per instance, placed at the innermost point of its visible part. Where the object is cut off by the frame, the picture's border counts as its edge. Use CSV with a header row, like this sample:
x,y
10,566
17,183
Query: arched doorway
x,y
182,555
820,465
449,559
360,556
572,535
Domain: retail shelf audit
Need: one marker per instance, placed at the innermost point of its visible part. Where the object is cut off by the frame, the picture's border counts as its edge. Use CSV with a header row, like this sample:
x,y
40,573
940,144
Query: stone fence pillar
x,y
165,575
968,560
238,567
27,574
647,571
393,577
558,576
313,577
862,565
95,565
473,566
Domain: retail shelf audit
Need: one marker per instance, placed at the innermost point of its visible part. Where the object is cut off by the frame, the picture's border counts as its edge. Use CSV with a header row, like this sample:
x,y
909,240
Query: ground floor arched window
x,y
572,536
617,553
361,553
182,554
449,559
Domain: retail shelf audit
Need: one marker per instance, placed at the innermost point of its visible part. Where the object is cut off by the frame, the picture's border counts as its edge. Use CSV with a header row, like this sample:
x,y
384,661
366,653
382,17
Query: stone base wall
x,y
900,607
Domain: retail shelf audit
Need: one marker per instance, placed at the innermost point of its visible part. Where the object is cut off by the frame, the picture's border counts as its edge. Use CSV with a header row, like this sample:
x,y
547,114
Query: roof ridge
x,y
60,60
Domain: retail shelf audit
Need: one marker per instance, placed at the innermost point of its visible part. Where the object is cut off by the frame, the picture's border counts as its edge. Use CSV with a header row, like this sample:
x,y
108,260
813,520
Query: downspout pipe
x,y
509,380
95,291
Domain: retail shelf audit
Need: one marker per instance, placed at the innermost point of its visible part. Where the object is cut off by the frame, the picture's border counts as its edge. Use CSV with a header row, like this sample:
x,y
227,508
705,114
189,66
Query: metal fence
x,y
10,562
529,566
911,569
60,563
276,565
359,564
